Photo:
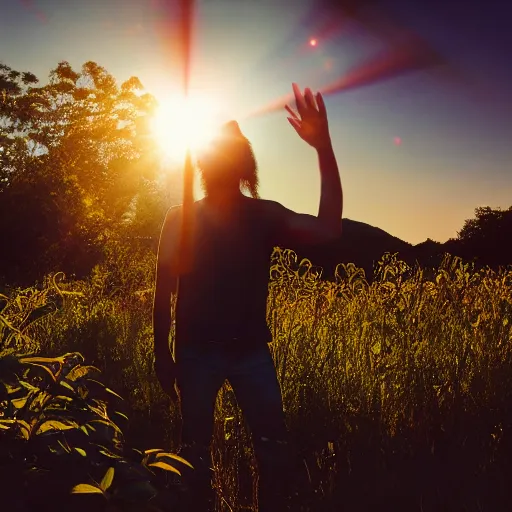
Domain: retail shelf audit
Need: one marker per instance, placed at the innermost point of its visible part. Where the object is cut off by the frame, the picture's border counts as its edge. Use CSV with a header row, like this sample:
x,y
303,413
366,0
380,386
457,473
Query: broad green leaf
x,y
46,369
66,385
109,424
97,382
80,371
55,425
77,372
167,467
41,360
114,393
64,398
107,480
108,453
25,428
4,427
86,489
28,386
175,457
19,402
38,400
96,410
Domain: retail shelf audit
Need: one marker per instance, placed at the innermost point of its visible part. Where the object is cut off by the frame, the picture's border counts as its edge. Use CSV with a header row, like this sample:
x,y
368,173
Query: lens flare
x,y
183,123
394,62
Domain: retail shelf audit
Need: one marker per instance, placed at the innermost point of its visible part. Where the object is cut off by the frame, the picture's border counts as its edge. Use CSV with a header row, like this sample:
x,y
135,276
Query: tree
x,y
488,236
15,116
74,153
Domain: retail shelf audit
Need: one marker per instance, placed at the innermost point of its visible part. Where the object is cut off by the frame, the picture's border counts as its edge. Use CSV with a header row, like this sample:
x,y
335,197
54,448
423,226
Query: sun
x,y
182,123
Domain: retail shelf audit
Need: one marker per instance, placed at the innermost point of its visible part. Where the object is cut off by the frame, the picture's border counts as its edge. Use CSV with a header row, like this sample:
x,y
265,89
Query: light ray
x,y
393,63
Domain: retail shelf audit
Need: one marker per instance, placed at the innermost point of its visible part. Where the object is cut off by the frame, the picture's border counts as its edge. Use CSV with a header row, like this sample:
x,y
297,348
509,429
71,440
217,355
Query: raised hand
x,y
310,120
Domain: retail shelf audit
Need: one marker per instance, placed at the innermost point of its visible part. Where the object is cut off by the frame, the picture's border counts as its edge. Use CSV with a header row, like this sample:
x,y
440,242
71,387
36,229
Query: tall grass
x,y
397,394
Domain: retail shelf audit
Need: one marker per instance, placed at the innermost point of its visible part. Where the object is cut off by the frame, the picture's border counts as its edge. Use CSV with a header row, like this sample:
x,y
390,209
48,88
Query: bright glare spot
x,y
313,42
182,123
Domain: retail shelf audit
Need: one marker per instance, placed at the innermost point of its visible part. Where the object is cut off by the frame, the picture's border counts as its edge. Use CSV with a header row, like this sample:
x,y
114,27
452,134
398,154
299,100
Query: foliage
x,y
487,236
396,393
60,434
76,156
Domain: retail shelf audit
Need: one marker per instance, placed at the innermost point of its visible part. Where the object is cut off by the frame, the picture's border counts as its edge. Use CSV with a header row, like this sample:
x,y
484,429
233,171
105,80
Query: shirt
x,y
224,296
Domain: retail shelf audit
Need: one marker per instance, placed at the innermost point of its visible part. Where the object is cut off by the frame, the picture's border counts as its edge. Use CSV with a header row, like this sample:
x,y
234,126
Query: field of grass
x,y
398,395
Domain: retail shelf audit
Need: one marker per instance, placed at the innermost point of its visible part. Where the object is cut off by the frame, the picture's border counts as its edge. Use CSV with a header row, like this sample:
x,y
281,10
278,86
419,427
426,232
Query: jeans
x,y
201,372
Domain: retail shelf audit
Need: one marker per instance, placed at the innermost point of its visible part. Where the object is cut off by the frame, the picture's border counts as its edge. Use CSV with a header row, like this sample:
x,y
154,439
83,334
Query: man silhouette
x,y
220,316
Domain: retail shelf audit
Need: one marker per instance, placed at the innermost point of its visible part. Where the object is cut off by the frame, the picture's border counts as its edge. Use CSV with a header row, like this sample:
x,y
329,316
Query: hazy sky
x,y
417,153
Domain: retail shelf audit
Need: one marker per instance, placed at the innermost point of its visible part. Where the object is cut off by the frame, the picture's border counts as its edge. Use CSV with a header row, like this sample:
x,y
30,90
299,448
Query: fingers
x,y
310,99
306,102
292,112
299,100
321,104
294,120
310,107
294,123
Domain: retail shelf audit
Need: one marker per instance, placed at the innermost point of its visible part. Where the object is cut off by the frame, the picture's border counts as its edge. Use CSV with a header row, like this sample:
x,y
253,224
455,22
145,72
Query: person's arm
x,y
165,287
312,126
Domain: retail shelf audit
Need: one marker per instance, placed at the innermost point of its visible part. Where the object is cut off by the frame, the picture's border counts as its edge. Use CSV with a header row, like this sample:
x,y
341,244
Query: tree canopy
x,y
488,236
78,165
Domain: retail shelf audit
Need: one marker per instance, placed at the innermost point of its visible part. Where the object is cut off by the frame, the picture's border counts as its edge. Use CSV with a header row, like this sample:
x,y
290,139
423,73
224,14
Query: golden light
x,y
181,123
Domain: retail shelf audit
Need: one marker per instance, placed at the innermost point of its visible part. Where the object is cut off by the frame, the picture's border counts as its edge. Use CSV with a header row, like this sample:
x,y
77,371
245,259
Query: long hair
x,y
246,166
249,172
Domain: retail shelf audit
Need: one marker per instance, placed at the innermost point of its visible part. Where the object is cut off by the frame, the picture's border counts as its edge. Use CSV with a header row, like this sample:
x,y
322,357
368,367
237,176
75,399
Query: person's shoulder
x,y
172,215
271,216
174,210
267,206
177,209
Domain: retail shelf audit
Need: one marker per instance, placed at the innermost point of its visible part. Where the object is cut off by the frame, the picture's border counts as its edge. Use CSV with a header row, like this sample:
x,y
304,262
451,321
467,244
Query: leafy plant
x,y
397,393
60,427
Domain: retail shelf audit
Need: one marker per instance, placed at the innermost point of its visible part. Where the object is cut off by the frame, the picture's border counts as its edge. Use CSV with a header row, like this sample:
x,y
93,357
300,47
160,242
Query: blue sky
x,y
455,123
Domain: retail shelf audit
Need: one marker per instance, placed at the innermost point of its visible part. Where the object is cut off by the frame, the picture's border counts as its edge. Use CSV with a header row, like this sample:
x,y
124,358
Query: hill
x,y
364,245
360,243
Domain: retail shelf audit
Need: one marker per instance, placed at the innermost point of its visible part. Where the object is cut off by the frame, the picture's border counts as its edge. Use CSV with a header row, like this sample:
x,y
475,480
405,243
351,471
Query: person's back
x,y
223,297
221,329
